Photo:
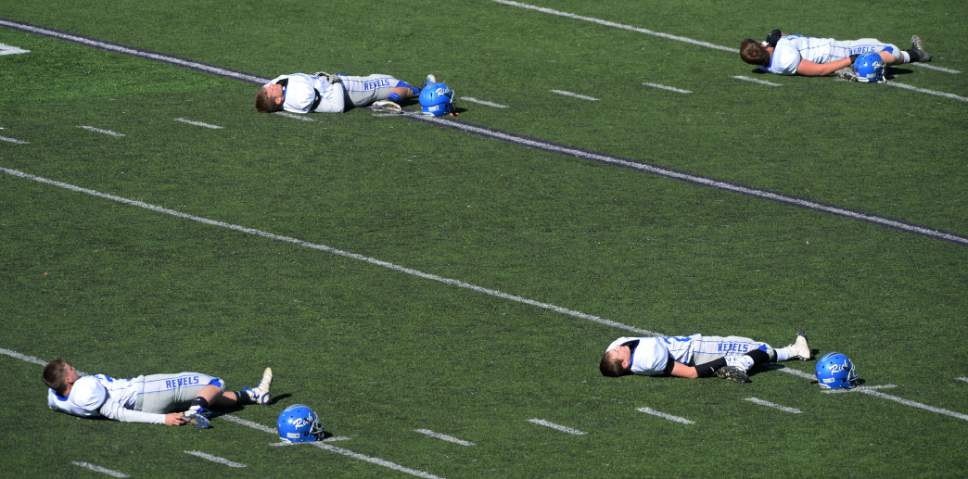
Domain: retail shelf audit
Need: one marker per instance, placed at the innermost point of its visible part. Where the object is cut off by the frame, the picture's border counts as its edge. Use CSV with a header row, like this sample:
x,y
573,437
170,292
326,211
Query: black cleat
x,y
917,51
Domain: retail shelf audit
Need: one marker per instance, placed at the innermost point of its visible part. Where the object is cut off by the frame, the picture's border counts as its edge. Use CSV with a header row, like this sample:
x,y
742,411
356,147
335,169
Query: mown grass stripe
x,y
498,135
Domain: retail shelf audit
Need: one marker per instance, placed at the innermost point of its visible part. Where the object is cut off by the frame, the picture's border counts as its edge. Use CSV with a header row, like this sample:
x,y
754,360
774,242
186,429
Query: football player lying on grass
x,y
790,54
170,399
695,356
329,93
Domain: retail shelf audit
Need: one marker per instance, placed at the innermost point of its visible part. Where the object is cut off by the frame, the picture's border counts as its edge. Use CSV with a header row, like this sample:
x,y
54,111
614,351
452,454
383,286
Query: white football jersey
x,y
791,49
650,356
305,93
103,396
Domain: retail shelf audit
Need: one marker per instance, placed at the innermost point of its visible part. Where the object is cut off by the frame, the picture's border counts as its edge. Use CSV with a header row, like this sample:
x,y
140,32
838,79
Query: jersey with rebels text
x,y
306,93
791,49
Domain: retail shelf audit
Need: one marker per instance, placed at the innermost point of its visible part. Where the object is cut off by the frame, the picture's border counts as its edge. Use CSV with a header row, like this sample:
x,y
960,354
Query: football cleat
x,y
260,394
198,417
733,373
800,346
386,106
917,50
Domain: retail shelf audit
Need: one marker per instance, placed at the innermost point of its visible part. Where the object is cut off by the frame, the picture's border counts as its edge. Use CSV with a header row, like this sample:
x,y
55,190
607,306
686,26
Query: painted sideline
x,y
522,141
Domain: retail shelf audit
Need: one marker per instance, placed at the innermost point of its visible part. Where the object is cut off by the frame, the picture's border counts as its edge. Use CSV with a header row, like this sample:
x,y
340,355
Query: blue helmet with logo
x,y
436,99
299,423
869,68
836,371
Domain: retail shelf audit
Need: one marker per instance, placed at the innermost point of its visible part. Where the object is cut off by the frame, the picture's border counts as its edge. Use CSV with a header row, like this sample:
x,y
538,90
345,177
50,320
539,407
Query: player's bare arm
x,y
808,68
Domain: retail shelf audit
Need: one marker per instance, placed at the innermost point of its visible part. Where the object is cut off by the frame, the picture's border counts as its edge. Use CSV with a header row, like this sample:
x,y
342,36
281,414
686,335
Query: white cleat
x,y
196,416
260,394
801,349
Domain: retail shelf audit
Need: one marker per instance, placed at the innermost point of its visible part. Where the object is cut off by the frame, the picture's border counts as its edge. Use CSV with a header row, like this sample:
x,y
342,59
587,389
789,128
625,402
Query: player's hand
x,y
175,419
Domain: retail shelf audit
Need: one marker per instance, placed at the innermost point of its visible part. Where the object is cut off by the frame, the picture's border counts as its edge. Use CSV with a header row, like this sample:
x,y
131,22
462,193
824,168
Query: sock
x,y
200,402
784,353
906,57
706,370
245,396
758,356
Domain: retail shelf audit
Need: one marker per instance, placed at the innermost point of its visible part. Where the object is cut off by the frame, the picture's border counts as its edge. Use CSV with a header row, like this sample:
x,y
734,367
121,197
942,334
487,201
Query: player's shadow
x,y
890,72
238,407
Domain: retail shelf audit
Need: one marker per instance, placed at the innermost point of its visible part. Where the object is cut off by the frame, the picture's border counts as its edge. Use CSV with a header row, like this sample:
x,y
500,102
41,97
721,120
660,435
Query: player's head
x,y
299,423
269,98
836,371
754,52
58,375
616,362
869,68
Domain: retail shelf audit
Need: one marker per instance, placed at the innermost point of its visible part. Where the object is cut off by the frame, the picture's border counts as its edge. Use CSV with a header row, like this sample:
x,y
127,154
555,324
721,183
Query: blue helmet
x,y
869,68
299,423
835,371
436,99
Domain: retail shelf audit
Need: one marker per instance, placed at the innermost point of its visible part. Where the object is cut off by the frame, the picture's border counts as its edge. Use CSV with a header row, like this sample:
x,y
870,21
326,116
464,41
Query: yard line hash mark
x,y
11,50
294,116
101,131
13,140
198,123
756,80
522,141
99,469
926,91
666,87
668,417
574,95
764,403
482,102
556,427
963,379
218,460
444,437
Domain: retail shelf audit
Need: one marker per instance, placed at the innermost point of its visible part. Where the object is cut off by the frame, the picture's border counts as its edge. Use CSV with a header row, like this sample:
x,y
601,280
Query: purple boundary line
x,y
519,140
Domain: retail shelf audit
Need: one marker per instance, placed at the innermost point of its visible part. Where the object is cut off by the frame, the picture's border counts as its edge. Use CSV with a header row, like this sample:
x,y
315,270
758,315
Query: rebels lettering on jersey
x,y
182,381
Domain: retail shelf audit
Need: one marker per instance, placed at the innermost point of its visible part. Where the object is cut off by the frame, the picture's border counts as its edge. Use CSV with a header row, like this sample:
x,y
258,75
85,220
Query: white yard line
x,y
482,102
574,95
294,116
858,389
797,372
328,439
621,26
936,68
13,140
99,469
198,123
926,91
101,131
23,357
444,437
556,427
963,379
331,250
668,417
665,87
218,460
336,450
762,402
756,80
914,404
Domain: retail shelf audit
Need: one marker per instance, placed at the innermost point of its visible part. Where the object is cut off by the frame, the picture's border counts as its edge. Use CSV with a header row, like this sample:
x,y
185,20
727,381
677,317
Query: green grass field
x,y
379,352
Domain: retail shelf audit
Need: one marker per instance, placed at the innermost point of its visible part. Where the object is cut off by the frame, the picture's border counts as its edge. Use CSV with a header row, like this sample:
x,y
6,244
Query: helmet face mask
x,y
299,423
436,99
836,371
869,68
